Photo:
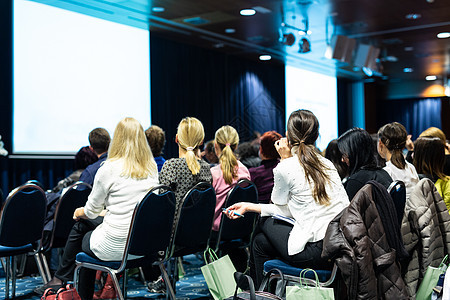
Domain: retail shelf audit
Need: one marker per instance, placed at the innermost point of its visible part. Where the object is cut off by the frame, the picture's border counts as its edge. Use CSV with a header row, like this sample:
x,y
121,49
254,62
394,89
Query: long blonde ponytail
x,y
227,139
190,136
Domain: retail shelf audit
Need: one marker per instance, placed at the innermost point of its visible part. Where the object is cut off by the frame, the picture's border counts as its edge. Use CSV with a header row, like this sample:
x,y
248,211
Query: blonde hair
x,y
190,135
434,132
129,143
227,139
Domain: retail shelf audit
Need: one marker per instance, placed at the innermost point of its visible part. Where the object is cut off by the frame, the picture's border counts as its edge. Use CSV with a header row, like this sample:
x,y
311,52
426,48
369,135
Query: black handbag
x,y
245,282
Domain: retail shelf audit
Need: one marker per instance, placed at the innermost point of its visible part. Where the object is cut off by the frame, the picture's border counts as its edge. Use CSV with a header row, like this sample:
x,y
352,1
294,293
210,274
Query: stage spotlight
x,y
304,45
287,39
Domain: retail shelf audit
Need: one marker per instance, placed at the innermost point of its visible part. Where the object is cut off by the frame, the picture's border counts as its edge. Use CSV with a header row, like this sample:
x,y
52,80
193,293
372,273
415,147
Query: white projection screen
x,y
317,93
73,73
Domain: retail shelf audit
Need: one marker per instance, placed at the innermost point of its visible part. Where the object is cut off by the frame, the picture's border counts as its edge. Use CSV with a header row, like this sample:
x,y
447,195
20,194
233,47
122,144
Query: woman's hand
x,y
282,146
238,210
409,143
79,214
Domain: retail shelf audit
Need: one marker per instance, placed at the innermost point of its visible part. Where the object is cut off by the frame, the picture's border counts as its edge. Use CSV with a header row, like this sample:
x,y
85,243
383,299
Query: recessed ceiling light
x,y
431,77
309,32
409,48
443,35
413,16
247,12
158,9
301,32
408,70
230,30
265,57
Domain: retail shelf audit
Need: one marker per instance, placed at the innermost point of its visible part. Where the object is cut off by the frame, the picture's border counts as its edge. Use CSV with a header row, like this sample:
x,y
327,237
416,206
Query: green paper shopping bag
x,y
219,275
305,292
430,280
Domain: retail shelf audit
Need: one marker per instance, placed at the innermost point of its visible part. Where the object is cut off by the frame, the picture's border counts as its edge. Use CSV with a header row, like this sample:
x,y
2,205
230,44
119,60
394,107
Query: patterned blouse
x,y
176,174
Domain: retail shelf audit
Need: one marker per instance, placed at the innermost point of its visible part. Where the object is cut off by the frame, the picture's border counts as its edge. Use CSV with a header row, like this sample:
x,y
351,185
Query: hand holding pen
x,y
229,213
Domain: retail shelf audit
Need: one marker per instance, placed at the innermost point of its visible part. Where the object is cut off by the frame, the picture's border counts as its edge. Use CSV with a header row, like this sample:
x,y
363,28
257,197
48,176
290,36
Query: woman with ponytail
x,y
391,142
308,189
182,173
229,170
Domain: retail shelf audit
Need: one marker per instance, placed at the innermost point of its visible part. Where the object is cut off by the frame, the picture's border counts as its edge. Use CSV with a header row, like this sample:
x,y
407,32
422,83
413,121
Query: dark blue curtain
x,y
416,114
216,88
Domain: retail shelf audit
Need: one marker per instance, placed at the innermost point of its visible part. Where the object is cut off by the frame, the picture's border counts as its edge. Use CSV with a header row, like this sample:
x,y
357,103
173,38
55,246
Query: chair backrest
x,y
152,223
196,217
397,190
75,196
243,191
23,215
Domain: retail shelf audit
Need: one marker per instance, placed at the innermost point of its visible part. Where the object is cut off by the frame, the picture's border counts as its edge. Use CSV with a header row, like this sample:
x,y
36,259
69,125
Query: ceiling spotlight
x,y
287,39
431,77
230,30
265,57
367,71
443,35
408,70
247,12
409,48
304,45
158,9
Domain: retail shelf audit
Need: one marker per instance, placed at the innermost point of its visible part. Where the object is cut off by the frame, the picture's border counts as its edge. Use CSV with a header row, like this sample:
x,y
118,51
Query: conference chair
x,y
193,227
21,225
397,190
237,233
149,237
75,196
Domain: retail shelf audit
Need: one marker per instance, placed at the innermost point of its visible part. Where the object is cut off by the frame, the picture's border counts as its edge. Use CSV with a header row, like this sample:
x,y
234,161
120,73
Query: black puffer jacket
x,y
357,241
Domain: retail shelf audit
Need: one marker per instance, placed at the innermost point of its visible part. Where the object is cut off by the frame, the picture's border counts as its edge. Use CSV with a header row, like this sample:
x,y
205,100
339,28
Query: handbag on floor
x,y
244,282
64,293
305,292
430,280
219,275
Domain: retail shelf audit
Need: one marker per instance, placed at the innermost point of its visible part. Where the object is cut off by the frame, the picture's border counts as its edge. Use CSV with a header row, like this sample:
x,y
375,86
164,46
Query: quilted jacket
x,y
357,241
425,231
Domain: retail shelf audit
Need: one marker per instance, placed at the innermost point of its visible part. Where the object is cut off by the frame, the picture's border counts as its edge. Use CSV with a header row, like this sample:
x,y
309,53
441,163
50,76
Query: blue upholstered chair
x,y
149,236
75,196
237,233
21,226
397,190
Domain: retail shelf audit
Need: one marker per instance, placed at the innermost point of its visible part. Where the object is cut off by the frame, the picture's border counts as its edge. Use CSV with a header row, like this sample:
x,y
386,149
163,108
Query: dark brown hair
x,y
429,156
267,147
156,139
393,136
303,131
99,140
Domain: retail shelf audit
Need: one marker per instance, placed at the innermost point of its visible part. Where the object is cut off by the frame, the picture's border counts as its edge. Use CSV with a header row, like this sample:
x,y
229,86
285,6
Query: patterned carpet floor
x,y
191,286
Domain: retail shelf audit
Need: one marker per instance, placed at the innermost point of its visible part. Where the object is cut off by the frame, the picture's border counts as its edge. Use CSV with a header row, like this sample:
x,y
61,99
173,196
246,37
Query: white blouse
x,y
119,195
408,175
292,196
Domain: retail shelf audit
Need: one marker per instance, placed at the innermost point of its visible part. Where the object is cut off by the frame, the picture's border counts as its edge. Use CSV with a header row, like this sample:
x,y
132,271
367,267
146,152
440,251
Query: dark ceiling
x,y
403,42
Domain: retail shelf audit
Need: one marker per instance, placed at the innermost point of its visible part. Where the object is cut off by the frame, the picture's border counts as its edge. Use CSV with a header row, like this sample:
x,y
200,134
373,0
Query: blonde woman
x,y
228,171
120,183
182,173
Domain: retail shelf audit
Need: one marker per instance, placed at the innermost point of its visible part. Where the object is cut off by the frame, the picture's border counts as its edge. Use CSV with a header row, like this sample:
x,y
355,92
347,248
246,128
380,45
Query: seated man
x,y
156,139
99,142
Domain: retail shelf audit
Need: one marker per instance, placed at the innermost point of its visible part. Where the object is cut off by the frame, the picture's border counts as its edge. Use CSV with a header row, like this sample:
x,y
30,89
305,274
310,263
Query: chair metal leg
x,y
141,274
124,282
170,289
22,265
45,265
14,269
7,272
40,268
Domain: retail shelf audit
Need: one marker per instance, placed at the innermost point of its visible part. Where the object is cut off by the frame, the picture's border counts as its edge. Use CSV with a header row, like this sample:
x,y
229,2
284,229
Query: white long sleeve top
x,y
292,197
119,195
408,175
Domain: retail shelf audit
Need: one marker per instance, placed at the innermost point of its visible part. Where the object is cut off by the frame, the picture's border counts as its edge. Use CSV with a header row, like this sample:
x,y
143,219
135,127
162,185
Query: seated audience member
x,y
247,152
358,153
156,139
229,171
333,154
262,176
182,173
392,140
99,142
84,157
209,154
429,157
431,132
308,189
121,182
